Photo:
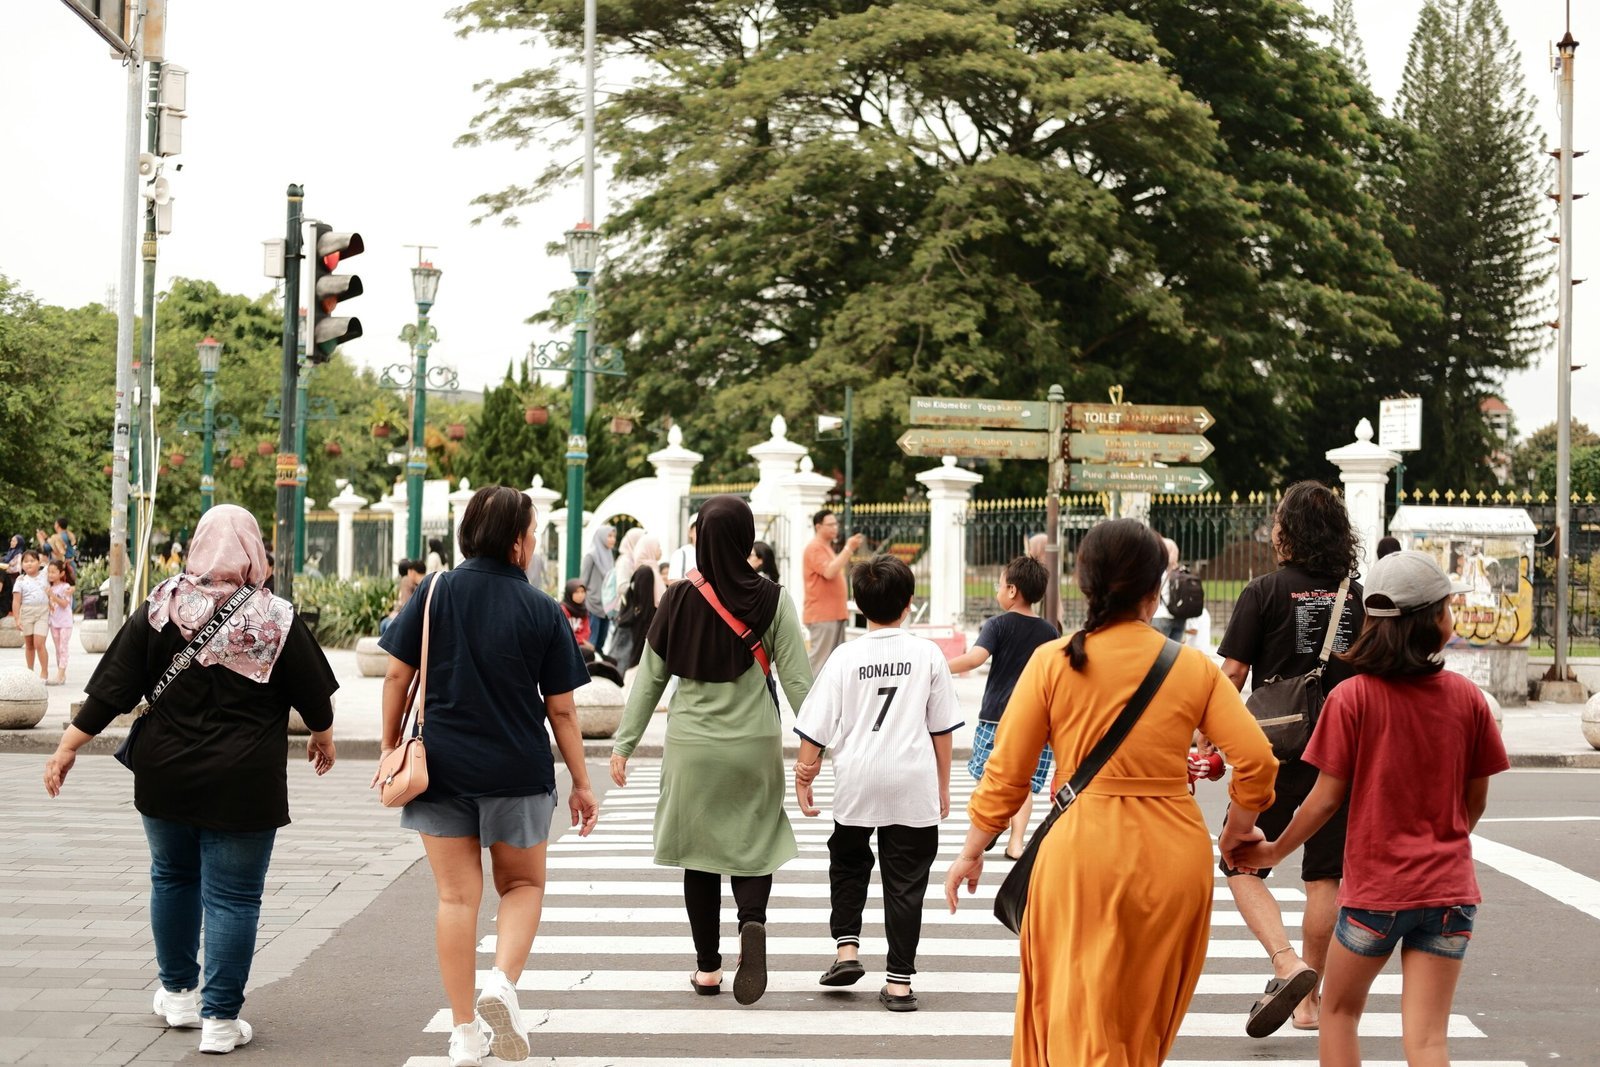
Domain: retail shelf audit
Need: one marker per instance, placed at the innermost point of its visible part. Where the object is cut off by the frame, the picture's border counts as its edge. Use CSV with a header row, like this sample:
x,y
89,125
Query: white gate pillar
x,y
674,466
458,510
949,495
1364,469
799,495
346,504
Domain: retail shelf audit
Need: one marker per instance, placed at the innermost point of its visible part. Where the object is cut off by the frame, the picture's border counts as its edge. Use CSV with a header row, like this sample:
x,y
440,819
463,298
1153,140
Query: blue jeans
x,y
217,874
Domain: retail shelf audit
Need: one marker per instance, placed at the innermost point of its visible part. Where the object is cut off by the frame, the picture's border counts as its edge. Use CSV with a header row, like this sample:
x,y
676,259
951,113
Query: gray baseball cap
x,y
1403,582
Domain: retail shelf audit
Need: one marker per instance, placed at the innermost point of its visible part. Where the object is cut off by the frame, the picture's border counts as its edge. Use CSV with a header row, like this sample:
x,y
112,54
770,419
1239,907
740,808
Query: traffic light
x,y
328,331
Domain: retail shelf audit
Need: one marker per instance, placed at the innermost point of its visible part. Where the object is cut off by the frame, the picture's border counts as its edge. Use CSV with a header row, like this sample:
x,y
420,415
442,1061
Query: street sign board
x,y
1139,418
968,411
1137,448
1400,423
991,444
1093,477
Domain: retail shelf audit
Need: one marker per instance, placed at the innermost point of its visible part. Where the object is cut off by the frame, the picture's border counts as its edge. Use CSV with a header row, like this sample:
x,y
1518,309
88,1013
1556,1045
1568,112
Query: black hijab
x,y
687,633
575,609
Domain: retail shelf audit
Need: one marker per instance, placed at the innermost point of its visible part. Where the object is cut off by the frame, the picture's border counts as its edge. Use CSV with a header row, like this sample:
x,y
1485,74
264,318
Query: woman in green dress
x,y
722,777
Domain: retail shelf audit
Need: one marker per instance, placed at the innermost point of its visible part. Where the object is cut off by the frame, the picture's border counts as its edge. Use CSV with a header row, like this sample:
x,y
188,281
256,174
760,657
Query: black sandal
x,y
750,981
1279,1001
897,1003
704,989
843,972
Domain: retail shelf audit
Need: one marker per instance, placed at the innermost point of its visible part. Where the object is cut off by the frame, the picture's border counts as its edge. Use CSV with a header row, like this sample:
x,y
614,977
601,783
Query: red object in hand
x,y
1209,767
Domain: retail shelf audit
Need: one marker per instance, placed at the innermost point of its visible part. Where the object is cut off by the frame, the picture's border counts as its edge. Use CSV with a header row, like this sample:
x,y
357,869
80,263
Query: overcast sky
x,y
395,89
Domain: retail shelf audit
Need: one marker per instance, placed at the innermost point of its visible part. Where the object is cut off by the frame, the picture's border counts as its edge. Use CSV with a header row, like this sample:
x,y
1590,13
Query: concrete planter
x,y
10,635
1591,721
22,699
94,635
371,661
600,705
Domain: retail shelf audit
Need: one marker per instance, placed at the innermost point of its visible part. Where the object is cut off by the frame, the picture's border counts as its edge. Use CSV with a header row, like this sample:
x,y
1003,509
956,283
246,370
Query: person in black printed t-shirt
x,y
1011,639
1277,631
209,779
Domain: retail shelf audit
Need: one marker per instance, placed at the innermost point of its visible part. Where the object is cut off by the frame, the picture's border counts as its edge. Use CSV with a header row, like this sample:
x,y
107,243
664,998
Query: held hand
x,y
965,869
1229,844
585,810
377,775
320,754
619,769
806,773
1256,857
56,768
803,797
944,801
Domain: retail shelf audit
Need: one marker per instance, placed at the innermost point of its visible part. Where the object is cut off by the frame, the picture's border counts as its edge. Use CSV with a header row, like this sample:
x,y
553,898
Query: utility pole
x,y
144,448
288,461
125,310
1558,686
1056,421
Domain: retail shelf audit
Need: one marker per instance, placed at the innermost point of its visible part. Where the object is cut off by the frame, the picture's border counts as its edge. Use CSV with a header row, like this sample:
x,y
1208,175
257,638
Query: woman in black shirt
x,y
209,777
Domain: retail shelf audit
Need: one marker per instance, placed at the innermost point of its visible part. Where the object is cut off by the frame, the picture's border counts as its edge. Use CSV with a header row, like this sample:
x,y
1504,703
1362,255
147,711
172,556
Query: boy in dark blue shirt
x,y
1011,639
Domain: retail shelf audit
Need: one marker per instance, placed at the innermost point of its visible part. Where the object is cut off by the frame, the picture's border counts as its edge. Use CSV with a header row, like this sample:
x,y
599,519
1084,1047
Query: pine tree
x,y
1469,196
1345,39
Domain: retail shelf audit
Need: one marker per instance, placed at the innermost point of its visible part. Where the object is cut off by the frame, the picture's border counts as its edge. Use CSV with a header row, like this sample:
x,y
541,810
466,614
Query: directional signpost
x,y
1138,448
1139,418
959,411
1095,477
994,444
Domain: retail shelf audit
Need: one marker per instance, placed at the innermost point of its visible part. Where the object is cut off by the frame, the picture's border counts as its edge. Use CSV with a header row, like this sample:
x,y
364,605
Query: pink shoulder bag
x,y
403,776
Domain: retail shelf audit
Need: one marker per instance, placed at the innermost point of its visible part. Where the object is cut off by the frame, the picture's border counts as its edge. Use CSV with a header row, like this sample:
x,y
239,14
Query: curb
x,y
44,742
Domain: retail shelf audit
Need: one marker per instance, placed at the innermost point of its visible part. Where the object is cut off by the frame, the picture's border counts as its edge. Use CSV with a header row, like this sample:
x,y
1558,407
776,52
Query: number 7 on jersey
x,y
887,693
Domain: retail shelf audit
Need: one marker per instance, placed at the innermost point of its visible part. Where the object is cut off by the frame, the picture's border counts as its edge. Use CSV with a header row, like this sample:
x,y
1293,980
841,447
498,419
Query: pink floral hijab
x,y
225,553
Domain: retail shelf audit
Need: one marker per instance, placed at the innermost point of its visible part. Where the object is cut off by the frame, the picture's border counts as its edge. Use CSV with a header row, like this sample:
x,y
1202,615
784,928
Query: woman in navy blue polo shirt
x,y
502,661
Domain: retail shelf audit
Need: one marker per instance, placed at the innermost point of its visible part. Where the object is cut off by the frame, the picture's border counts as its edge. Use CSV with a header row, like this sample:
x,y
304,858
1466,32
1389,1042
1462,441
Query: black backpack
x,y
1186,594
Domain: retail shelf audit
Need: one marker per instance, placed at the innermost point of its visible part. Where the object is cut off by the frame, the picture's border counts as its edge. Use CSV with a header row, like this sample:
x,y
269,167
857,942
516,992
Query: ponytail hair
x,y
1120,563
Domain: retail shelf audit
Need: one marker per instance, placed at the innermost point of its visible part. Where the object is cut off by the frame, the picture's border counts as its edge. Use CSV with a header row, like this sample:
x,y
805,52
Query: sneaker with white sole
x,y
180,1009
497,1005
220,1036
468,1045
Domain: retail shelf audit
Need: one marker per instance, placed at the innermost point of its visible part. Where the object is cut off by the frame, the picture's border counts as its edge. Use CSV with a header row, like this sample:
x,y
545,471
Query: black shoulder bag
x,y
1012,898
1287,708
219,618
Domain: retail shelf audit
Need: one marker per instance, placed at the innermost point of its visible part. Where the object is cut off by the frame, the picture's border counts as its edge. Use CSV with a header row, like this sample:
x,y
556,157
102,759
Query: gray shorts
x,y
520,822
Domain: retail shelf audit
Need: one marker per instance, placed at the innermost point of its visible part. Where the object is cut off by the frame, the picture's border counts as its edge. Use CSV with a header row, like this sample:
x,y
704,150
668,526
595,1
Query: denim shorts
x,y
1438,931
520,822
983,745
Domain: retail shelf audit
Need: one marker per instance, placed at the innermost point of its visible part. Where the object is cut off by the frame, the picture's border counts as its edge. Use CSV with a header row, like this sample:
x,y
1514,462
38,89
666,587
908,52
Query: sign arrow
x,y
1138,448
989,444
969,411
1139,418
1093,477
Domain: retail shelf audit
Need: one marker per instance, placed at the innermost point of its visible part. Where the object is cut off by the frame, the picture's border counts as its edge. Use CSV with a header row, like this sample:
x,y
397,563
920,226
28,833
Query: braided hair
x,y
1120,563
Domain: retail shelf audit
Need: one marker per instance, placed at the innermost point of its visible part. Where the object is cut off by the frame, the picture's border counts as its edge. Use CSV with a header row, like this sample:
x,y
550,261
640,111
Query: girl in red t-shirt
x,y
1413,745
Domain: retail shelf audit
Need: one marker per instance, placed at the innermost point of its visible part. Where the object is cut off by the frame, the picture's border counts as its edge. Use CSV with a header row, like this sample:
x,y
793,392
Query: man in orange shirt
x,y
825,613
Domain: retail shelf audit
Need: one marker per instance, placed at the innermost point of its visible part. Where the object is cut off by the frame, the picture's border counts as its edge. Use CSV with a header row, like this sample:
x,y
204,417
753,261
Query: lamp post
x,y
419,378
580,359
207,423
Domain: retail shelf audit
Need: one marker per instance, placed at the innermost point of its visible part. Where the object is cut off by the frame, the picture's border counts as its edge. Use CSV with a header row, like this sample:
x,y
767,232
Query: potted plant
x,y
385,418
332,447
108,470
177,459
536,414
456,431
236,462
623,419
265,448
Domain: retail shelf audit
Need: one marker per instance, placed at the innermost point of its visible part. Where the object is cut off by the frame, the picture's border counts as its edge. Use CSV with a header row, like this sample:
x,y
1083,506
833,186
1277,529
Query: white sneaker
x,y
497,1005
468,1045
219,1036
180,1009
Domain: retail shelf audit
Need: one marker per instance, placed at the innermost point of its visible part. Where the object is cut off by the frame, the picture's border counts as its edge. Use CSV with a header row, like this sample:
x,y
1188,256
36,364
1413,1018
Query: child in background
x,y
60,596
574,607
1414,746
885,707
1011,639
30,607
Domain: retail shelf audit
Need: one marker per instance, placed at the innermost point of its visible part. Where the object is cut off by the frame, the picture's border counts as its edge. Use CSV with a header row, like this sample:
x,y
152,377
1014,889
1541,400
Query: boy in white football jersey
x,y
885,708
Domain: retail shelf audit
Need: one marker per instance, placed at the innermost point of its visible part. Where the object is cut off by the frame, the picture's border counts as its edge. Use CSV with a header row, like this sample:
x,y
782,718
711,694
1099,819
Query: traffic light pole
x,y
288,461
301,403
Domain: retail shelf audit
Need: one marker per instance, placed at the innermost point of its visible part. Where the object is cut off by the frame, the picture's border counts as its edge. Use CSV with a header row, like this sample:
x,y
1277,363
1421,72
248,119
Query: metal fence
x,y
1583,599
1225,540
998,531
899,528
372,532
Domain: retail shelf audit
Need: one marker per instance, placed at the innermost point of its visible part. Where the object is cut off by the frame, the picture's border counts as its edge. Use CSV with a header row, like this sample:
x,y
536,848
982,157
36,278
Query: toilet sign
x,y
1400,423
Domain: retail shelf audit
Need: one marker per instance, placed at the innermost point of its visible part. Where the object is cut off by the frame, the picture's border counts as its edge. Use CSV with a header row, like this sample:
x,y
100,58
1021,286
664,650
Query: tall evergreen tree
x,y
1468,194
1345,39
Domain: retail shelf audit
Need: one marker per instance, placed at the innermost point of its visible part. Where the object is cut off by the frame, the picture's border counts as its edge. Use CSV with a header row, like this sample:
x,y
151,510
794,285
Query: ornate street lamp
x,y
208,422
419,379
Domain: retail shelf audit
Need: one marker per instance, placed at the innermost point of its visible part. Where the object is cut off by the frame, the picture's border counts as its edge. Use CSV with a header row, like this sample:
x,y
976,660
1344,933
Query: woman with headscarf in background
x,y
637,608
722,776
597,563
12,566
208,772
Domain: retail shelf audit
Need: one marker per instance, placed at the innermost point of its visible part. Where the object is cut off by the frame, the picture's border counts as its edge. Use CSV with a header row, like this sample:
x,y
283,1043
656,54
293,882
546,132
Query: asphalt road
x,y
613,926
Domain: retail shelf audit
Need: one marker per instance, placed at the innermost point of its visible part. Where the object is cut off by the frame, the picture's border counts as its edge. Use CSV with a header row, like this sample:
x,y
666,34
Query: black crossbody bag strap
x,y
1119,731
219,619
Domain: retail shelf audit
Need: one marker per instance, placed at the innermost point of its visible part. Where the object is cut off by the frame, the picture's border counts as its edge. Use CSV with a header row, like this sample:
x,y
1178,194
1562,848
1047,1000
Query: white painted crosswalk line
x,y
751,1022
583,965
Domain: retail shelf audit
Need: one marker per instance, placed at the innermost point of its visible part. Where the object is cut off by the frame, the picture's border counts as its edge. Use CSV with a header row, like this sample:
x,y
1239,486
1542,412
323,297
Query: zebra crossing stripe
x,y
751,1022
782,890
679,947
818,917
973,982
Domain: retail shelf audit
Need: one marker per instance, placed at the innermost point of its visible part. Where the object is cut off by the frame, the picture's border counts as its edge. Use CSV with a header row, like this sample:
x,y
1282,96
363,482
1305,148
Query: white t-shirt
x,y
681,563
875,707
34,589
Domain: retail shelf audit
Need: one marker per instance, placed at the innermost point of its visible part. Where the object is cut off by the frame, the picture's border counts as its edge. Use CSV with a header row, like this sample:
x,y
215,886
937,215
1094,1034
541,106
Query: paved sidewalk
x,y
1536,735
77,969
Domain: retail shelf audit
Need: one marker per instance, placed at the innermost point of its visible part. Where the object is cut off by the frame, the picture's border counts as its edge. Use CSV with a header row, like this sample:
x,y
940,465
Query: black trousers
x,y
908,853
702,896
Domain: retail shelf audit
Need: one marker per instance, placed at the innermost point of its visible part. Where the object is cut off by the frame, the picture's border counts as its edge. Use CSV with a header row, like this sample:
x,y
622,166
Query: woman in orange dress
x,y
1119,908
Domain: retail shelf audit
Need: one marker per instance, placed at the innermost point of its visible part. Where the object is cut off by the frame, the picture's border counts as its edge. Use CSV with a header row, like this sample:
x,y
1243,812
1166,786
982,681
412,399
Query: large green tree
x,y
1468,192
974,197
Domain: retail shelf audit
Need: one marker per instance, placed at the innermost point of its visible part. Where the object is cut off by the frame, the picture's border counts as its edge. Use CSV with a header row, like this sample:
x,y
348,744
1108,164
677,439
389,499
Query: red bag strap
x,y
757,649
